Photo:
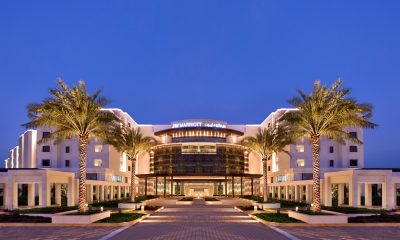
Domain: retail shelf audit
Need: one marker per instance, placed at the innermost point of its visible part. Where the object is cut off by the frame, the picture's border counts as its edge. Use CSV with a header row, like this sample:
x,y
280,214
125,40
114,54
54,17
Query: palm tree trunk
x,y
265,179
133,180
83,142
315,143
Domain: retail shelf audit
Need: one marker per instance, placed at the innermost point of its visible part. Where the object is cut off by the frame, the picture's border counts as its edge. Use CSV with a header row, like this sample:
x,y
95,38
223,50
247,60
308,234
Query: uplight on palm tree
x,y
269,140
72,112
130,141
326,112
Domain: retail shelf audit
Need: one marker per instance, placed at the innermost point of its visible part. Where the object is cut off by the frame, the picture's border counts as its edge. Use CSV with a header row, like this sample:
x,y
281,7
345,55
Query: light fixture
x,y
297,209
101,209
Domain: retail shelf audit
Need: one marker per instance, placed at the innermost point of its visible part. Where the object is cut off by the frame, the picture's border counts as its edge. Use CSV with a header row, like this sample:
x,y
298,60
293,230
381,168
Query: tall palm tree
x,y
268,141
72,112
326,112
131,142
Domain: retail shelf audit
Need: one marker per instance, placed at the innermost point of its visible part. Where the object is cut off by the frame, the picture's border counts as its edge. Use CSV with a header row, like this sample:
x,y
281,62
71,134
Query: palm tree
x,y
72,112
268,141
131,142
326,112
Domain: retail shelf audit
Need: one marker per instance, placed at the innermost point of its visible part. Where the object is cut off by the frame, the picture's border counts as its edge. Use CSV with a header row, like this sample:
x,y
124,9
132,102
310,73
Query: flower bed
x,y
121,217
185,201
353,210
17,218
45,210
276,217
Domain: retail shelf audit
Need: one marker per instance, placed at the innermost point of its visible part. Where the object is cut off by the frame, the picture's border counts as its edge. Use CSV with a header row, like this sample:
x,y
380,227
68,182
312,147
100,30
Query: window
x,y
269,168
272,180
353,149
331,163
331,149
45,162
91,176
126,179
98,148
45,134
117,178
66,163
129,168
353,134
67,149
281,178
300,162
97,162
353,163
306,176
299,148
46,148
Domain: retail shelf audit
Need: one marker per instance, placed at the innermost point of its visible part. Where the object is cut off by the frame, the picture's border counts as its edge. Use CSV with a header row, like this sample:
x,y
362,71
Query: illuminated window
x,y
300,148
98,162
98,148
300,162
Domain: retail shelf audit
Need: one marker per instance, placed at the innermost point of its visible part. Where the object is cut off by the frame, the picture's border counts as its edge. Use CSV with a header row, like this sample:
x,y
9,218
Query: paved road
x,y
199,222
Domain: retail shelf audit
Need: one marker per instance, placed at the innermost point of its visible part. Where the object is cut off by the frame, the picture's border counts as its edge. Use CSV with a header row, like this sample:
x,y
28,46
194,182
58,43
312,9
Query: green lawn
x,y
121,217
49,210
276,217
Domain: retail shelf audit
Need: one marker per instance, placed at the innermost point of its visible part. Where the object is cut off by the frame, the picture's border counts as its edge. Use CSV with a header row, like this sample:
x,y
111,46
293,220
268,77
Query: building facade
x,y
196,157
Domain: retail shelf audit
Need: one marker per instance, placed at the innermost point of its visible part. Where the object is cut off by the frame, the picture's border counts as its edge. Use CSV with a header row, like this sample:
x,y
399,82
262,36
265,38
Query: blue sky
x,y
231,60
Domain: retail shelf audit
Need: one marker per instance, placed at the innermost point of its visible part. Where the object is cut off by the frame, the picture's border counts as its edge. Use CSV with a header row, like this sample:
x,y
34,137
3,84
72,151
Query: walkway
x,y
199,221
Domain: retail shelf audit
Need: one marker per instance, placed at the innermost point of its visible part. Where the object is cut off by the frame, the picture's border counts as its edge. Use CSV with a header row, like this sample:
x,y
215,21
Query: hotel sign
x,y
199,123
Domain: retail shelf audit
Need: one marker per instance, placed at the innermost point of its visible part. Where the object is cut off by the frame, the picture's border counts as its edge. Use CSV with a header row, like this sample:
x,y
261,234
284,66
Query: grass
x,y
276,217
151,208
114,203
121,217
382,218
349,210
45,210
246,208
210,199
16,218
309,212
89,212
186,199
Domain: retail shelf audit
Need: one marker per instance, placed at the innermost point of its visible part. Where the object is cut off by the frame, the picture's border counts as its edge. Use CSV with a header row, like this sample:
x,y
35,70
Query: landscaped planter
x,y
267,205
49,215
319,219
213,202
184,202
130,205
79,219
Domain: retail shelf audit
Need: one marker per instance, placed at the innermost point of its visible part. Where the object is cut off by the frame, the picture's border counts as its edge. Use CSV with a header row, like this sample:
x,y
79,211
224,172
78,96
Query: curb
x,y
318,225
131,223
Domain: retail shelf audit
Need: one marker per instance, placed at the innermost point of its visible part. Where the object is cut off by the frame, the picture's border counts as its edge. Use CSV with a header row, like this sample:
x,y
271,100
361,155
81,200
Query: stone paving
x,y
199,221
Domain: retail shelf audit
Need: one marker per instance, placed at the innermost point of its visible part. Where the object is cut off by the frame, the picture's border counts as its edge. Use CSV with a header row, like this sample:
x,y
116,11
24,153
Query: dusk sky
x,y
230,60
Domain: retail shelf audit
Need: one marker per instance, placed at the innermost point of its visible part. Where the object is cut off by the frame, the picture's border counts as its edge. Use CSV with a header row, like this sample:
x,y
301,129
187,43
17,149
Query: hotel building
x,y
198,157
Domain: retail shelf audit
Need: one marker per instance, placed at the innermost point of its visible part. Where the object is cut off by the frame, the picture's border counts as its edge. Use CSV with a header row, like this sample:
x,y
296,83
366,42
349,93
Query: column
x,y
354,196
296,193
226,186
57,187
70,192
156,186
287,192
340,194
31,194
252,186
273,191
101,193
165,185
279,192
145,186
90,193
328,192
241,186
388,194
119,192
308,200
172,186
368,194
233,186
44,194
111,192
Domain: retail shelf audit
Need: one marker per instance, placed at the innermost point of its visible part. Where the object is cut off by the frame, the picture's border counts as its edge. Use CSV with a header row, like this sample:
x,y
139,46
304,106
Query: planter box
x,y
49,215
79,219
213,202
133,206
184,202
267,205
319,219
